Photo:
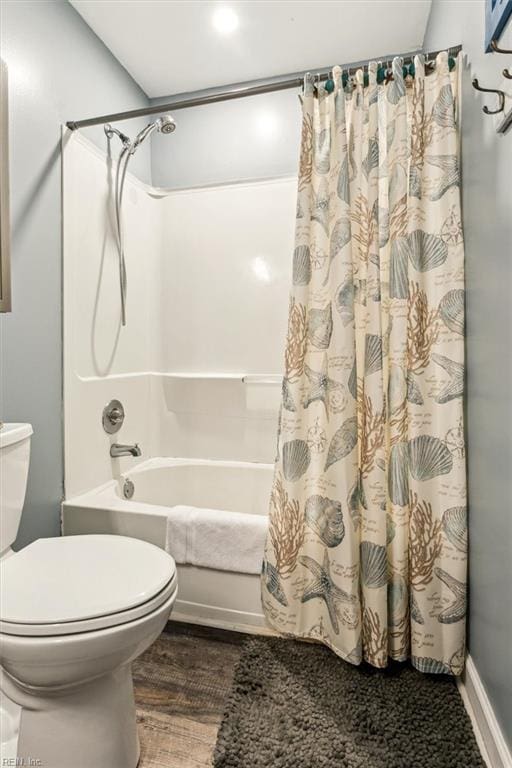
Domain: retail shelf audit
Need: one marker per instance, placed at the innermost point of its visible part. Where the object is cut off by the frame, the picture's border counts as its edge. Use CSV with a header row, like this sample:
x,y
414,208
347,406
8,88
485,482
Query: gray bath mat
x,y
297,705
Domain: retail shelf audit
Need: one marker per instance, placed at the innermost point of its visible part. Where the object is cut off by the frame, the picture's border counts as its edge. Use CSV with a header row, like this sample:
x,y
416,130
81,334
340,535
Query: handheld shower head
x,y
166,124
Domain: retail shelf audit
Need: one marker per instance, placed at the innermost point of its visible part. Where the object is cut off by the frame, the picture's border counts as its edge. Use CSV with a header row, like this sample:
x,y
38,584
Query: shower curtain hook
x,y
330,82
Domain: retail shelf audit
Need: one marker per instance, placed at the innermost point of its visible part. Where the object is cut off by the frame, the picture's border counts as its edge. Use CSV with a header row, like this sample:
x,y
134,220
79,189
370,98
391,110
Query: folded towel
x,y
213,538
178,519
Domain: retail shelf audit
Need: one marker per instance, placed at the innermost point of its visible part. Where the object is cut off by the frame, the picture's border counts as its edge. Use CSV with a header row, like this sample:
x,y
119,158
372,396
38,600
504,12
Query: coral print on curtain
x,y
367,542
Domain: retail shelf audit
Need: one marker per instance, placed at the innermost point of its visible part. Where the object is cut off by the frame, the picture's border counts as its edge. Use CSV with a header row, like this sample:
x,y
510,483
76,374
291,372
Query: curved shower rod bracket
x,y
499,94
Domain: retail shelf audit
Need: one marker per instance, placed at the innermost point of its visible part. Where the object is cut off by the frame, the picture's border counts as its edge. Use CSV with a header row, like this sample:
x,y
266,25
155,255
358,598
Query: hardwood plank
x,y
181,685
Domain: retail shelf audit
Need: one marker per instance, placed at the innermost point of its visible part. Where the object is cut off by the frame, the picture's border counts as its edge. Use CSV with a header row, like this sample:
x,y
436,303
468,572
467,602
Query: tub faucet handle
x,y
115,416
112,417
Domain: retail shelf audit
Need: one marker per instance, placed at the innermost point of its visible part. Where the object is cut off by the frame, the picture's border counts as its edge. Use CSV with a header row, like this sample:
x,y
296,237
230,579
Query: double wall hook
x,y
497,49
499,94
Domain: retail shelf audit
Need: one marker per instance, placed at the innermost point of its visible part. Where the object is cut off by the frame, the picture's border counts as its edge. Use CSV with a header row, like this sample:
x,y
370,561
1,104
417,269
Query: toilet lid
x,y
72,578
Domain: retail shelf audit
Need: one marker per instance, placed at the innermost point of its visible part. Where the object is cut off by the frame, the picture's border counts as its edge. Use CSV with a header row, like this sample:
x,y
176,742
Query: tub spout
x,y
117,450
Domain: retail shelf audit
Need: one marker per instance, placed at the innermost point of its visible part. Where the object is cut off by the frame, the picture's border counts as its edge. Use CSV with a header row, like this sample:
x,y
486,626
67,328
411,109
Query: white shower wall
x,y
226,258
101,360
208,281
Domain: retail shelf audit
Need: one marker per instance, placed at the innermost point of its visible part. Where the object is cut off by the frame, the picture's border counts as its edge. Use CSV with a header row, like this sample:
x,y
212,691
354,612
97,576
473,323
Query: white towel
x,y
213,538
178,519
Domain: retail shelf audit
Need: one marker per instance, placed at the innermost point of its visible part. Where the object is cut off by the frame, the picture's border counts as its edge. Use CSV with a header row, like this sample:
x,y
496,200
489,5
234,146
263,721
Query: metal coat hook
x,y
499,94
497,49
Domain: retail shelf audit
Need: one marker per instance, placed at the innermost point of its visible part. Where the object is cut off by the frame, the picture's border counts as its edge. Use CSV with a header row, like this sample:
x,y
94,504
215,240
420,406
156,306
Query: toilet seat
x,y
74,584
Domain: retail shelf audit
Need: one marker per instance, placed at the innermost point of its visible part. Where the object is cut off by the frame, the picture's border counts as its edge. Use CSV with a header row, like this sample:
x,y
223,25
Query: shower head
x,y
166,124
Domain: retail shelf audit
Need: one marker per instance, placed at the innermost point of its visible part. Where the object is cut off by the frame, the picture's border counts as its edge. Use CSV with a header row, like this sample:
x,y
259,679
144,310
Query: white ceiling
x,y
171,46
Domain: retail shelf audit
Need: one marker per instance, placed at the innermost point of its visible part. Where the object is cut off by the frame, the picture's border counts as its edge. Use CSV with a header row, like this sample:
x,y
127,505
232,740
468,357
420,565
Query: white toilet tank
x,y
14,461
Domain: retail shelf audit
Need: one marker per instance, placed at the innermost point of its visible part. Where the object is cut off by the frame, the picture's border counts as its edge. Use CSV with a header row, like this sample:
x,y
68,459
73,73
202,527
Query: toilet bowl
x,y
74,613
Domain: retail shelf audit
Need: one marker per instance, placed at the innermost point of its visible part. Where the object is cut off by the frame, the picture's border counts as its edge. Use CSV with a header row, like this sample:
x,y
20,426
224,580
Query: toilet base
x,y
91,725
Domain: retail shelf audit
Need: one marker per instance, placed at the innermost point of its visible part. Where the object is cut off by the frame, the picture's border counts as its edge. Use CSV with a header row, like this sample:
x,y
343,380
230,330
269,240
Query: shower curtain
x,y
367,542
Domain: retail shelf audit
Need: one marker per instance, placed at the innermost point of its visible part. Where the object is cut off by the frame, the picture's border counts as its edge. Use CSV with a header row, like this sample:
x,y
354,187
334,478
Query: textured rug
x,y
297,705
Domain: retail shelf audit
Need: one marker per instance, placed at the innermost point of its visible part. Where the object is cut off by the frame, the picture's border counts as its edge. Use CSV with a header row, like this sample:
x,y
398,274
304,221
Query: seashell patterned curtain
x,y
367,542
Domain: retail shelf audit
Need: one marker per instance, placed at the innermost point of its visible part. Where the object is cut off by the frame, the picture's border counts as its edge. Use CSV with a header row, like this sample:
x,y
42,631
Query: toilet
x,y
75,611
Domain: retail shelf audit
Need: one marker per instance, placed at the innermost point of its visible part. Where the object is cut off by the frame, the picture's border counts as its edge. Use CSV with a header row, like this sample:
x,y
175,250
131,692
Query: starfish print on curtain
x,y
367,540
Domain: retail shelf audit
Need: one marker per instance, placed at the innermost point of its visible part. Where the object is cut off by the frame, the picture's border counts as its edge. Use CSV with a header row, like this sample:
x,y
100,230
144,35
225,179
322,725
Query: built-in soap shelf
x,y
262,379
240,395
265,379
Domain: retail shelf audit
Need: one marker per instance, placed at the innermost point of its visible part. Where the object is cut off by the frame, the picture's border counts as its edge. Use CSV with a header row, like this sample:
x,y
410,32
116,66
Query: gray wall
x,y
58,70
487,202
250,138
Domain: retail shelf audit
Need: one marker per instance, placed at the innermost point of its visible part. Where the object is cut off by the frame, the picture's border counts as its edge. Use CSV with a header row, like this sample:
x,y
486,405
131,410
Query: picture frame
x,y
5,229
497,13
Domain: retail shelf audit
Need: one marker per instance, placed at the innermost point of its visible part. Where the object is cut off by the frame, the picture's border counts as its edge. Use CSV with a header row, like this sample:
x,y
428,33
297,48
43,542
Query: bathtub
x,y
205,596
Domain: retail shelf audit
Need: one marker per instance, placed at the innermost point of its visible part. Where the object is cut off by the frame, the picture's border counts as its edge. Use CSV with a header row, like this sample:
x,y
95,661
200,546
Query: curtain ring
x,y
308,83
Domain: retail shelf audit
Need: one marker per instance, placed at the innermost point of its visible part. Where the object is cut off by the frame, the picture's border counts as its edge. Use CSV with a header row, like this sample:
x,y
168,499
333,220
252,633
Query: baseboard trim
x,y
488,733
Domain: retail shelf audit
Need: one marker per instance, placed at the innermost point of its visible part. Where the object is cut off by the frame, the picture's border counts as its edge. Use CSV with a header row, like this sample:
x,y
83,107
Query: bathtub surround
x,y
367,531
57,67
281,713
195,383
96,348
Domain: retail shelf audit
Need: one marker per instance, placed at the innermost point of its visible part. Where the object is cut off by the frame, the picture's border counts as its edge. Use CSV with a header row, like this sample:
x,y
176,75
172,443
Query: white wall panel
x,y
226,274
208,280
102,360
100,345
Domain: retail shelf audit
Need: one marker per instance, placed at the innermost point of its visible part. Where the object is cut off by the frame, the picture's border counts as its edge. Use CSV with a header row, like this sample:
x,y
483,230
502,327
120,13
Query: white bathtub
x,y
205,596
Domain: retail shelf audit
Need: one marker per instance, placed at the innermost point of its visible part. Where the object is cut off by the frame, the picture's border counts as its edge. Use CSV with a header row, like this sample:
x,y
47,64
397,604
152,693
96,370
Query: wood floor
x,y
181,686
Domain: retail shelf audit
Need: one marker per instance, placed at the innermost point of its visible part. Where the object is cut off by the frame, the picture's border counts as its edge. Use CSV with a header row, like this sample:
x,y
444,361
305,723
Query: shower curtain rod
x,y
238,91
